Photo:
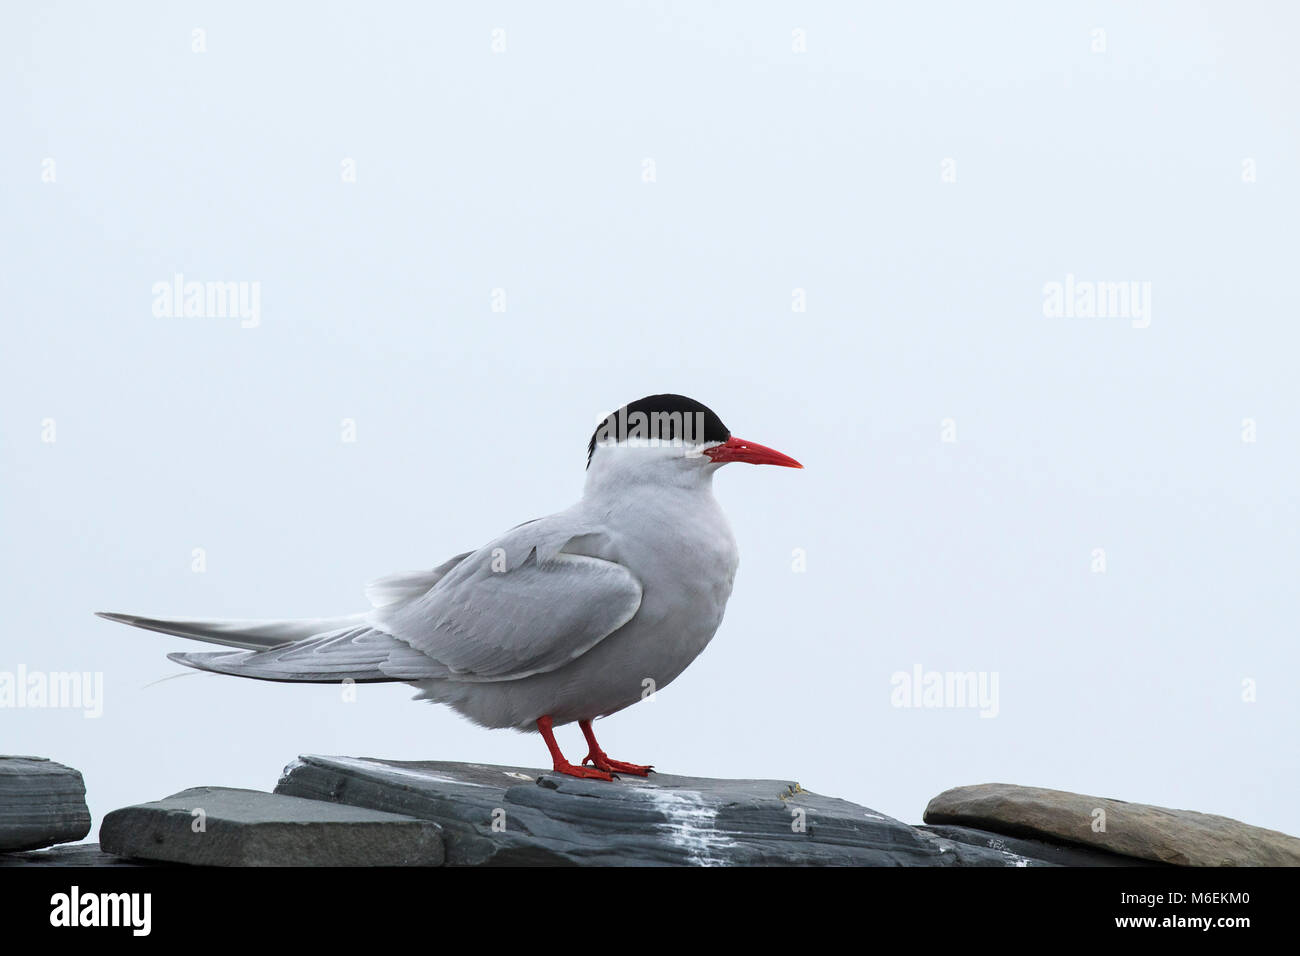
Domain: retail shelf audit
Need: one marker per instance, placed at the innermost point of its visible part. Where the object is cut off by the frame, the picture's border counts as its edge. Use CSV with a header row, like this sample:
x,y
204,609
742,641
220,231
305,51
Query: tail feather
x,y
355,653
313,650
250,635
323,651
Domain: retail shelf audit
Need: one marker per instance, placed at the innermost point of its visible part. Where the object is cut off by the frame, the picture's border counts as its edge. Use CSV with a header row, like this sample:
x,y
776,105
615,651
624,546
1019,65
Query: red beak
x,y
737,449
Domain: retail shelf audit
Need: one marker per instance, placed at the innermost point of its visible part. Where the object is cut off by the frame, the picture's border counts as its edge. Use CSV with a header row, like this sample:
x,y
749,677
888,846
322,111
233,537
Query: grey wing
x,y
517,607
404,585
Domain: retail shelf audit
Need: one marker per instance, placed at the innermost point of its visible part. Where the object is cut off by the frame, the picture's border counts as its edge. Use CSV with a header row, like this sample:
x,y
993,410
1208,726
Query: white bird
x,y
565,618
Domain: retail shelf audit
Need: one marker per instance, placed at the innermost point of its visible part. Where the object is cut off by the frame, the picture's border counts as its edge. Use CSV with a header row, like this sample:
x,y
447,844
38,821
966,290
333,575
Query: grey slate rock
x,y
1035,850
1157,834
41,803
254,828
520,816
75,854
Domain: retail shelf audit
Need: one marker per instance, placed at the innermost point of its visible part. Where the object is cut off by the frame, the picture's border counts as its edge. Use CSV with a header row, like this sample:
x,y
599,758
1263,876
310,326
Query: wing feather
x,y
353,653
404,585
517,607
522,605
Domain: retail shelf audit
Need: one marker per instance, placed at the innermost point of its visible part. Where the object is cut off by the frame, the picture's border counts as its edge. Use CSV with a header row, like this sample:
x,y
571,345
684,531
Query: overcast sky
x,y
471,230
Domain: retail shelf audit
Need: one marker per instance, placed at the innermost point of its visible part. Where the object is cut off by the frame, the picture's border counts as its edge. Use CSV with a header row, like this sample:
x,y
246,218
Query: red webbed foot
x,y
584,773
602,761
559,764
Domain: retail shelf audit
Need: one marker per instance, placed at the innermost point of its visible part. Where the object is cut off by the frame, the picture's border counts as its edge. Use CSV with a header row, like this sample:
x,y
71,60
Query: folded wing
x,y
517,607
485,625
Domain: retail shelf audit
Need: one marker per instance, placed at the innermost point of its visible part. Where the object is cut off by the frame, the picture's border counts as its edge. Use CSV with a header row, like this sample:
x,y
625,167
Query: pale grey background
x,y
522,170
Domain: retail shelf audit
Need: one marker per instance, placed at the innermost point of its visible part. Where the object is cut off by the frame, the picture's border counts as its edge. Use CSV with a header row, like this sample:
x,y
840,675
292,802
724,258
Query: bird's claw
x,y
584,772
602,762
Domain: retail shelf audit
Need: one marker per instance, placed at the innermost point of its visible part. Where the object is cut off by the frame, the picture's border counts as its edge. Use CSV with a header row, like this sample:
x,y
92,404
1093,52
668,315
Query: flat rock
x,y
41,803
519,816
75,854
219,826
1181,837
1035,850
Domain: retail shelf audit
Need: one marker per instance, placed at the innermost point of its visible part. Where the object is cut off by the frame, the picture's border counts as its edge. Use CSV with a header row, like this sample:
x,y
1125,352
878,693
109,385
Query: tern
x,y
571,617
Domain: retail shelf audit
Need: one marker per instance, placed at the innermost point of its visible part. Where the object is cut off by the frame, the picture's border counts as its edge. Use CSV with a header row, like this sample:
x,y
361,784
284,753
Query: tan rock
x,y
1182,837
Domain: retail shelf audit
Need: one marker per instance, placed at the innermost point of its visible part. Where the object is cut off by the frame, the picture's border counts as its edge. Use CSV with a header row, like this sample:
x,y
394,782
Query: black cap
x,y
665,417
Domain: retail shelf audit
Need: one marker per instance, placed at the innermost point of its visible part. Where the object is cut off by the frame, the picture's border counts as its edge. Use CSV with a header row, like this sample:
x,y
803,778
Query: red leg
x,y
559,764
601,761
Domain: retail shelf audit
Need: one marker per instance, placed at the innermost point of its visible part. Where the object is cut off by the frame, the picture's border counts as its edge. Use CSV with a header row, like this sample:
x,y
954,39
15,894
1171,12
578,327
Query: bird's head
x,y
670,438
